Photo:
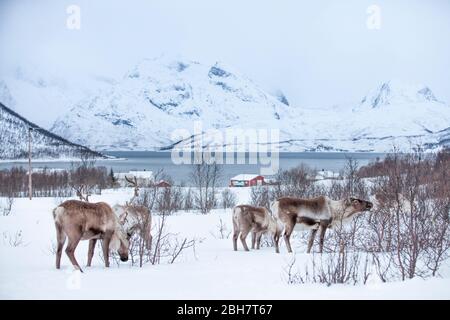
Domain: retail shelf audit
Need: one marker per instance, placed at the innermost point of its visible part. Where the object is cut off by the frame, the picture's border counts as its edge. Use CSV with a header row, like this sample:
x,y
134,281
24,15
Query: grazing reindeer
x,y
78,220
256,220
134,217
313,213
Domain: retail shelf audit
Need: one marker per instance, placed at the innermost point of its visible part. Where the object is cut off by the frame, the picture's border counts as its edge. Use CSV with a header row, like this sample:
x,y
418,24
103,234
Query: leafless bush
x,y
6,205
188,200
296,182
228,199
329,268
167,246
260,196
177,247
205,178
14,240
223,232
161,200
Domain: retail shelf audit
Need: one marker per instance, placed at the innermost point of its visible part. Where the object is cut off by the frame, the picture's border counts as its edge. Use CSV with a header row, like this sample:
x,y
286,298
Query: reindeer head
x,y
354,205
120,243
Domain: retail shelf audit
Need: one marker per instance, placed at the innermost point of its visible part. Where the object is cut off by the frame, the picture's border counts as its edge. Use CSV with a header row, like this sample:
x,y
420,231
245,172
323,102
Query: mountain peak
x,y
397,92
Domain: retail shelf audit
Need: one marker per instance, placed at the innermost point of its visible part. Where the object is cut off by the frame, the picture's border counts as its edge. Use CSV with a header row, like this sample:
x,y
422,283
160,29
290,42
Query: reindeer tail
x,y
57,212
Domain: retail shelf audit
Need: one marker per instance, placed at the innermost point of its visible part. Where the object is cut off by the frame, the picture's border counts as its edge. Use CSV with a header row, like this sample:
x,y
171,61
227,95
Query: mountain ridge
x,y
14,137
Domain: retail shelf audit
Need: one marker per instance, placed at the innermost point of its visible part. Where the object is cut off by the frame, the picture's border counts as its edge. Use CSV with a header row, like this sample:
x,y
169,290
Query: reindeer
x,y
256,220
78,220
321,212
135,217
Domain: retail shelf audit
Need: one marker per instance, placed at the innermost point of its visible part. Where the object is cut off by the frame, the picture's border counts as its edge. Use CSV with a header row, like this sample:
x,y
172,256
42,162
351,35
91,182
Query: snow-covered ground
x,y
212,271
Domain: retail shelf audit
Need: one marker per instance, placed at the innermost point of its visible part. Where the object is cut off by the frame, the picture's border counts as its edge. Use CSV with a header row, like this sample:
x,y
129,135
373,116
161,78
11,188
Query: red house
x,y
163,184
246,180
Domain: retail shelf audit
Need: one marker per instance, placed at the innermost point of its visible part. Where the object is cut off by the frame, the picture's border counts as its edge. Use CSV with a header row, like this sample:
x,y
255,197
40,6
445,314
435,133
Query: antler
x,y
133,183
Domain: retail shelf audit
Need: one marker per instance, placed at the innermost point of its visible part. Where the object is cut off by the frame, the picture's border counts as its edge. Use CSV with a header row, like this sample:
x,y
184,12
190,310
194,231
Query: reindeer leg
x,y
276,239
287,234
253,239
243,236
258,240
106,241
311,240
235,237
70,250
323,229
92,244
61,239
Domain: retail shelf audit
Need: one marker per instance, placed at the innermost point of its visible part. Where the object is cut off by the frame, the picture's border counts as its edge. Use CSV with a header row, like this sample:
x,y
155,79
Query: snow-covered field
x,y
211,271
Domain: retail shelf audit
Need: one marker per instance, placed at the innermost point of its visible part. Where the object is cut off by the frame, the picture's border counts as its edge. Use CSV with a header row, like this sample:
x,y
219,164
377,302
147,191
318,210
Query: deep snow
x,y
213,271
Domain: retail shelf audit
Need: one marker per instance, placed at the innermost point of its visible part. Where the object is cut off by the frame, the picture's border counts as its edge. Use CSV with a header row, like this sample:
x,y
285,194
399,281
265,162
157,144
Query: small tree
x,y
228,199
205,177
112,180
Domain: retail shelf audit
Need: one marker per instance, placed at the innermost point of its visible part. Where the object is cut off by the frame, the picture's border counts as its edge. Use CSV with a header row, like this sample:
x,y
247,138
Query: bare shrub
x,y
223,232
188,200
161,200
228,199
6,205
260,196
167,246
15,239
295,182
205,178
329,268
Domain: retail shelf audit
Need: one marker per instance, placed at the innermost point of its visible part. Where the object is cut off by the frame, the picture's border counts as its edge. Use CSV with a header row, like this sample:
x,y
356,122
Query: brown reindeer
x,y
256,220
78,220
321,212
134,217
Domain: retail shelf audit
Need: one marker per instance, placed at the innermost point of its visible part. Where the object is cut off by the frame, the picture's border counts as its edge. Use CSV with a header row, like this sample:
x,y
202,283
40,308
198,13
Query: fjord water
x,y
153,160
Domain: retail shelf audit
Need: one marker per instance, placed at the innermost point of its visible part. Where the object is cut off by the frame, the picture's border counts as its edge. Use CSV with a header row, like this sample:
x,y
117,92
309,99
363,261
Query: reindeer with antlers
x,y
135,217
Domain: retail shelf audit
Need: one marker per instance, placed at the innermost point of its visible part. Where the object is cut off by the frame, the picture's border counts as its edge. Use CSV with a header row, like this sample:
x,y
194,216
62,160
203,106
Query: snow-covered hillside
x,y
46,145
158,96
161,95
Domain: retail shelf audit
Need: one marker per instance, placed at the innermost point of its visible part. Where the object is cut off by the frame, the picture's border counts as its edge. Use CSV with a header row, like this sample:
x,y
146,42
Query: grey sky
x,y
318,52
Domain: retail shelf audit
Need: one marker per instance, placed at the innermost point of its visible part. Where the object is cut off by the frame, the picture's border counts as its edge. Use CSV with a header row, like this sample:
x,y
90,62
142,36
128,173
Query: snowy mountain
x,y
45,145
394,92
160,95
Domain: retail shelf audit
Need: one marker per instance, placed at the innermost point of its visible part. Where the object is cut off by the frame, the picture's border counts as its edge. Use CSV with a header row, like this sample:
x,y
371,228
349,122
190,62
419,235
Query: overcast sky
x,y
318,52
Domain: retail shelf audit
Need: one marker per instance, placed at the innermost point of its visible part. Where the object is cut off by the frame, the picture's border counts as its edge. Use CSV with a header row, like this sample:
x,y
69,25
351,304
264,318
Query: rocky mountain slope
x,y
45,145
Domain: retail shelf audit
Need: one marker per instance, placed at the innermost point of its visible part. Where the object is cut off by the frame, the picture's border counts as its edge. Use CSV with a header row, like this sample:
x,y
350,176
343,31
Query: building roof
x,y
245,176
